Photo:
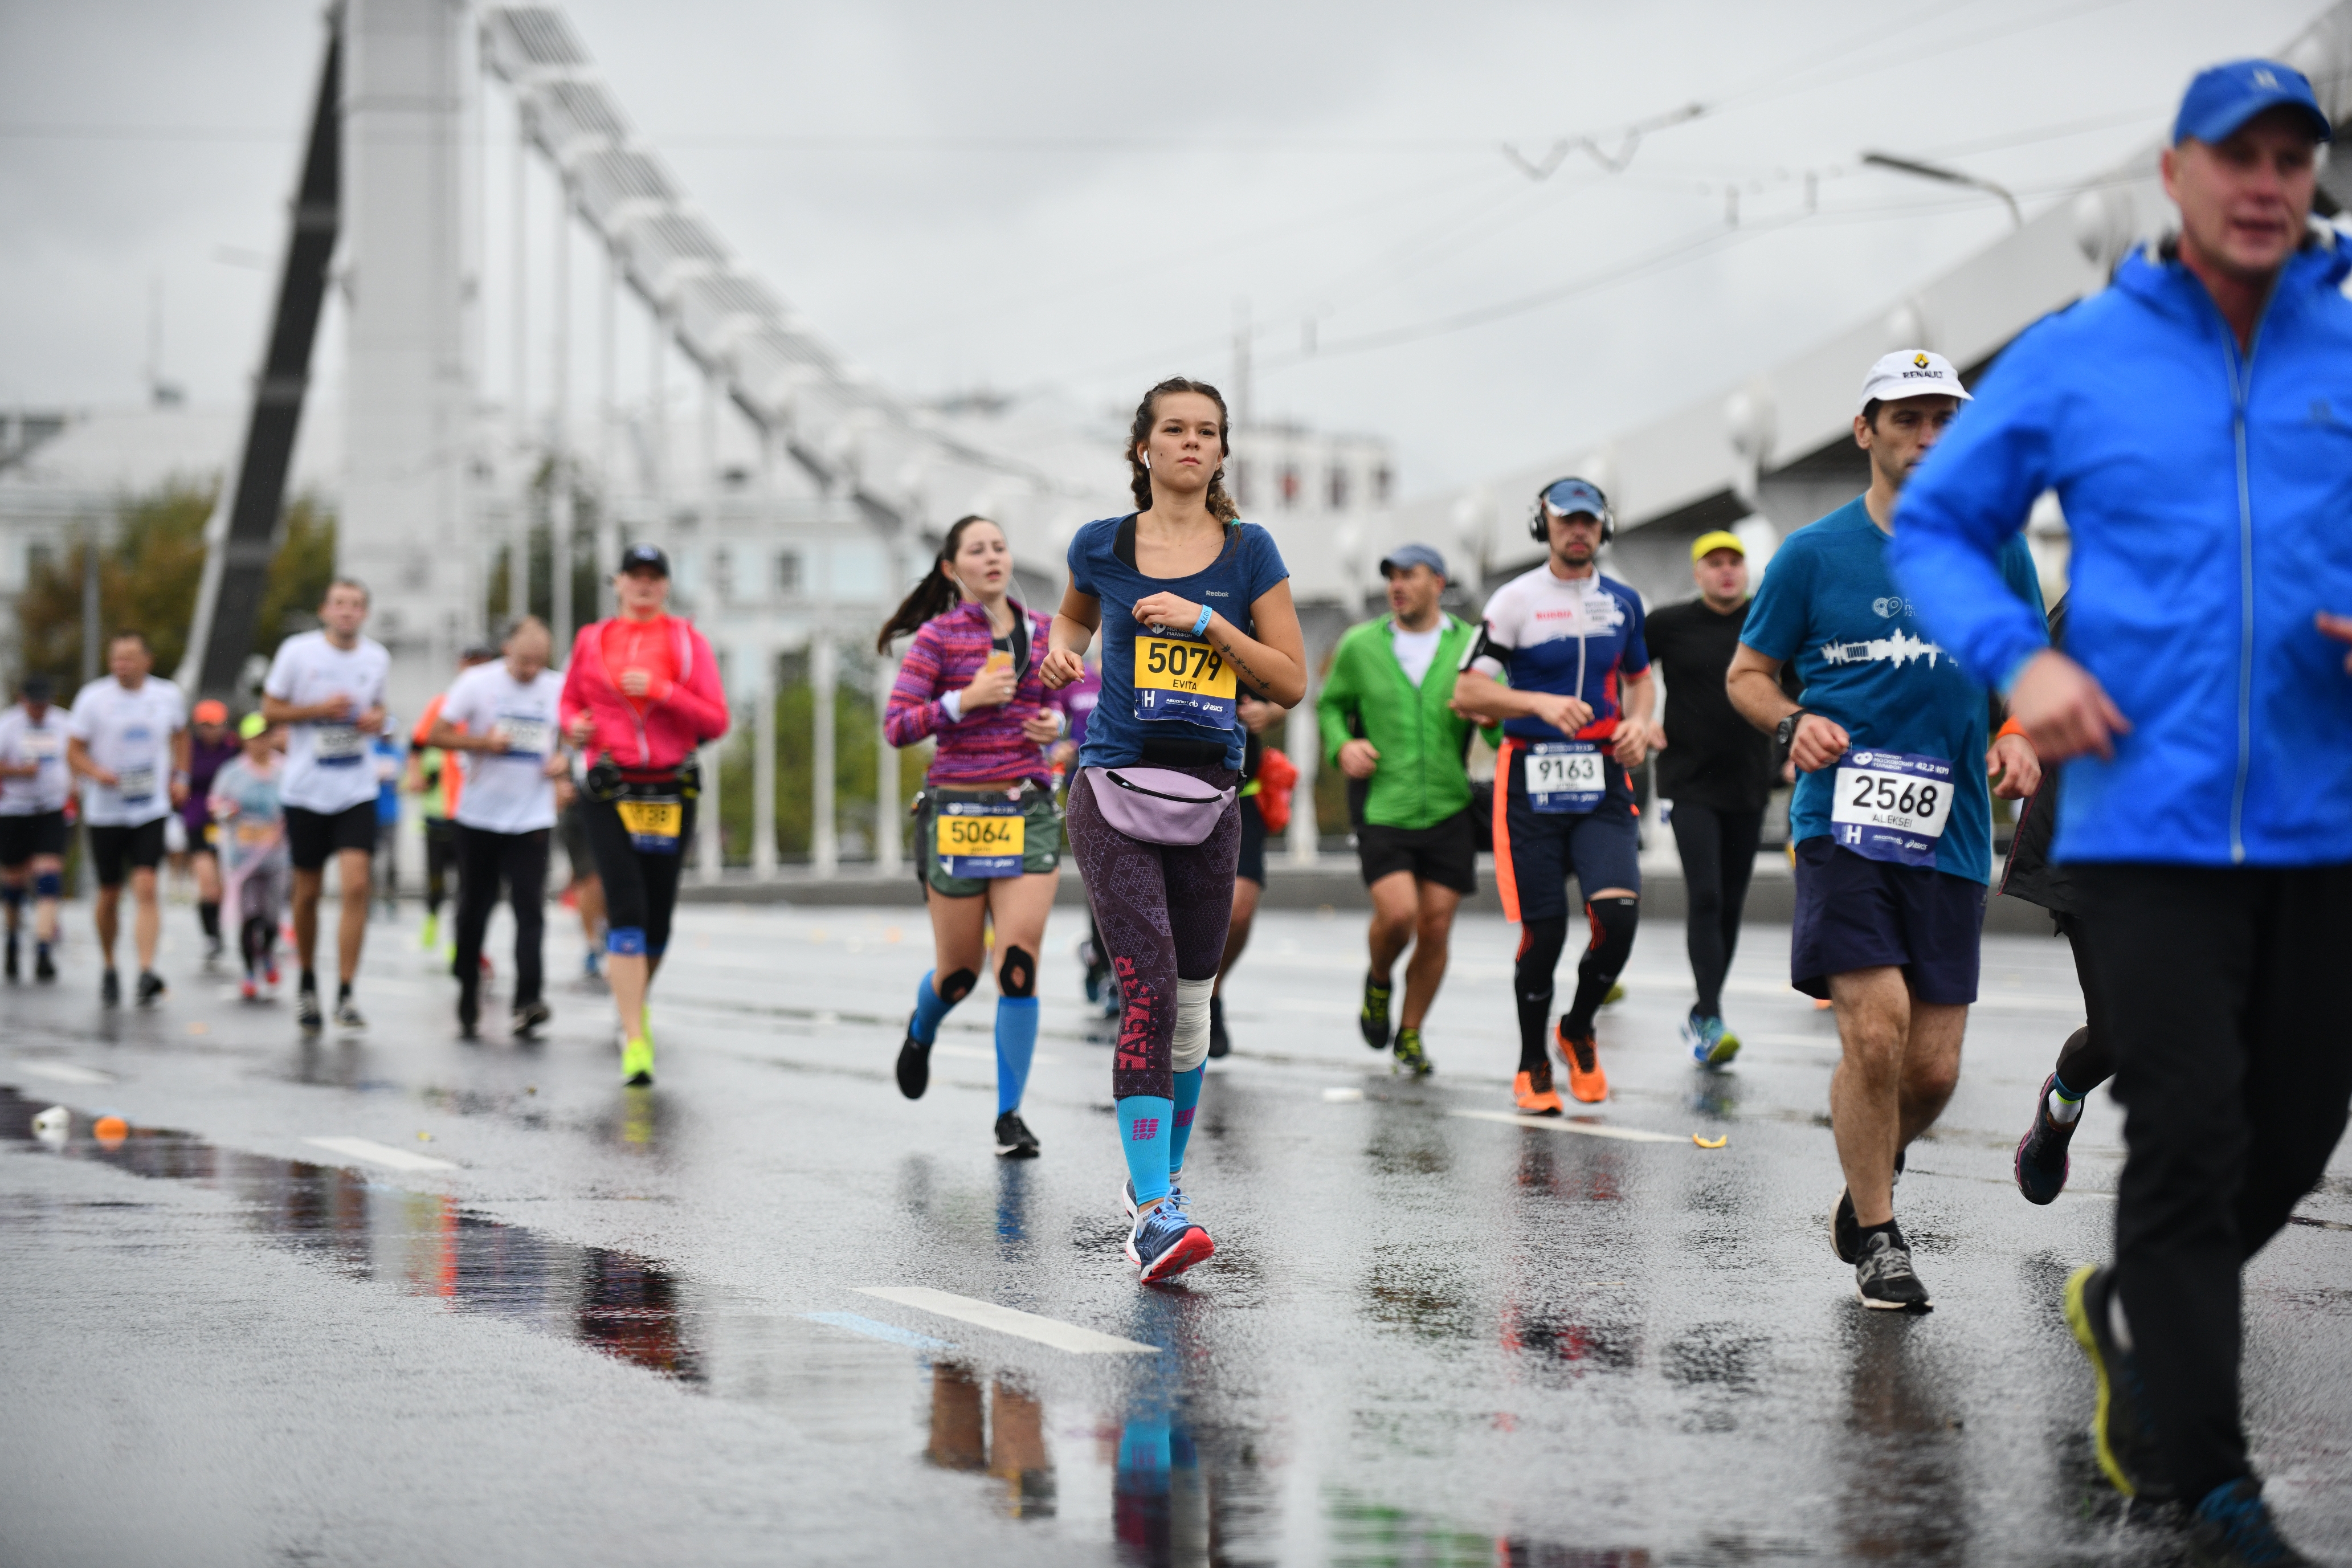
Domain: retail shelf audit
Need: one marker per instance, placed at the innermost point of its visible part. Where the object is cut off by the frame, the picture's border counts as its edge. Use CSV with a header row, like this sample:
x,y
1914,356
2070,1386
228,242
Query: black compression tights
x,y
1539,945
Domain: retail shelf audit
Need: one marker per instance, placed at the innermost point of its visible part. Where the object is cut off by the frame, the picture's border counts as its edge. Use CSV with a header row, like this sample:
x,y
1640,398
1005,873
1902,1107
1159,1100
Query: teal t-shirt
x,y
1830,604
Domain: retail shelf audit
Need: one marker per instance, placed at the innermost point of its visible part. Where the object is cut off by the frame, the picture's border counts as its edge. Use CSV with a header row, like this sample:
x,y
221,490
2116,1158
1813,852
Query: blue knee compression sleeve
x,y
931,1006
626,941
49,885
1017,1042
1144,1135
1188,1098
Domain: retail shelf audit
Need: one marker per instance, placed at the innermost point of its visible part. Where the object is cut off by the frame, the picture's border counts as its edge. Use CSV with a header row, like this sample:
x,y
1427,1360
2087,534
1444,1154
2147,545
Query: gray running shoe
x,y
1884,1279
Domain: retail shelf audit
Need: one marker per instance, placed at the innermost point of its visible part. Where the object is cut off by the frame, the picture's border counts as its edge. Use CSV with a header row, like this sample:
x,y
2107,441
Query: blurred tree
x,y
855,733
147,578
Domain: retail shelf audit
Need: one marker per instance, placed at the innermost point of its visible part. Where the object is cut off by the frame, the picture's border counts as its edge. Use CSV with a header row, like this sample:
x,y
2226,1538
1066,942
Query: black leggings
x,y
640,889
440,854
1161,911
1718,855
484,859
2087,1059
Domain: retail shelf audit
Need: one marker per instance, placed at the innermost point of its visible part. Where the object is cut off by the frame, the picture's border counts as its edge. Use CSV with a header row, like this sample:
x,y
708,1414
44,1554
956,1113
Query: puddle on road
x,y
614,1302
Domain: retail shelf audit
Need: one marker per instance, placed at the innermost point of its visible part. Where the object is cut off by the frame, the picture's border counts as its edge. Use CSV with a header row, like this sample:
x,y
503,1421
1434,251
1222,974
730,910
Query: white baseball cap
x,y
1910,372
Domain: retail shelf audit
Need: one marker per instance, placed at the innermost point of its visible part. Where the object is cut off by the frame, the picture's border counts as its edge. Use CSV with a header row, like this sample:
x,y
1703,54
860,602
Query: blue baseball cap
x,y
1569,497
2223,98
1412,556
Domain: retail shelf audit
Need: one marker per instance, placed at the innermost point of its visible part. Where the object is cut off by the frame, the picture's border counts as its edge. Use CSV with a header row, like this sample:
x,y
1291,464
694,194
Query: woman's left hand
x,y
1042,728
1167,612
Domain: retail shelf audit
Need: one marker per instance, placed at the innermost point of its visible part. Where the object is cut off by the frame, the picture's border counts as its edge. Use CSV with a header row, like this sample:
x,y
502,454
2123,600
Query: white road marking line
x,y
874,1330
1061,1336
988,1054
1561,1124
380,1154
62,1072
1342,1096
1807,1042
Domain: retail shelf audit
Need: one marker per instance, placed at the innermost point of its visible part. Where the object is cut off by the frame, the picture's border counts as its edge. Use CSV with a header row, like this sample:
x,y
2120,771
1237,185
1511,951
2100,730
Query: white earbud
x,y
1147,462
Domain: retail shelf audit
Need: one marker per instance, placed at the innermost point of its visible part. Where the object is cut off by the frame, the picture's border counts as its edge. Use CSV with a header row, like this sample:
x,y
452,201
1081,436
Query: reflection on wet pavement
x,y
610,1301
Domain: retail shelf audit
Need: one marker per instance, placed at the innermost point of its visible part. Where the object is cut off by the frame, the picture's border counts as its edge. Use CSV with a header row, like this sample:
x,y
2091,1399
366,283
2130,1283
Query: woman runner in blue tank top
x,y
1194,607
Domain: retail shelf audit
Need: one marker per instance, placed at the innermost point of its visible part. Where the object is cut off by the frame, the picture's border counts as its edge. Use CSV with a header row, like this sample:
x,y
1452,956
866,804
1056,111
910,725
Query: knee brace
x,y
626,941
1017,976
1613,921
958,986
1190,1048
49,885
1539,946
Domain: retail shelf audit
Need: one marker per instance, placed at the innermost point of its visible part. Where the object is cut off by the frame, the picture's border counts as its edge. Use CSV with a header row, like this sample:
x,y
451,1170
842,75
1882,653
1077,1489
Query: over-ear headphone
x,y
1585,496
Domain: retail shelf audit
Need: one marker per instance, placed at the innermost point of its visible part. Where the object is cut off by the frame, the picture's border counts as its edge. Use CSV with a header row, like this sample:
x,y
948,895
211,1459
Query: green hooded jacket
x,y
1420,781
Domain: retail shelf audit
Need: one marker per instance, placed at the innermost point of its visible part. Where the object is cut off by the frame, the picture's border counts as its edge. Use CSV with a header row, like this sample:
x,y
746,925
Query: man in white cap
x,y
1891,818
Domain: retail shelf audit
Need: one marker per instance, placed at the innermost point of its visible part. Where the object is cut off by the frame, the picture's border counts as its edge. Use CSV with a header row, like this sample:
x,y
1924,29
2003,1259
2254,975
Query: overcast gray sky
x,y
1044,194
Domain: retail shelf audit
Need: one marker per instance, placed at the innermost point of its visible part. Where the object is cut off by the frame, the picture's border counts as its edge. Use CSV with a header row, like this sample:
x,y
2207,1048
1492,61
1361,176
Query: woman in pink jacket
x,y
640,694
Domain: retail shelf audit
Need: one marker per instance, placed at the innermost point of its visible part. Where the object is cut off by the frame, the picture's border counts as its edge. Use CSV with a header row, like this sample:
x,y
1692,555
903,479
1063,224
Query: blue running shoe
x,y
2233,1527
1127,1196
1711,1045
1165,1242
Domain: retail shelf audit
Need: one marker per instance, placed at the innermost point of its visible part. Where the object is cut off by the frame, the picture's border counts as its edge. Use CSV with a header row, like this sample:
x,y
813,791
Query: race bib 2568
x,y
1891,806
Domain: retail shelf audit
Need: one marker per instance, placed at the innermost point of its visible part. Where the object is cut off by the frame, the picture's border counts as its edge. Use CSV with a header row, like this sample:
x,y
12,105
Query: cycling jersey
x,y
1570,636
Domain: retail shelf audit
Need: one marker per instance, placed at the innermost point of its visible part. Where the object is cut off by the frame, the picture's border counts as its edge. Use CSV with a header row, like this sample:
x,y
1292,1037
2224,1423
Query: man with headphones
x,y
1575,721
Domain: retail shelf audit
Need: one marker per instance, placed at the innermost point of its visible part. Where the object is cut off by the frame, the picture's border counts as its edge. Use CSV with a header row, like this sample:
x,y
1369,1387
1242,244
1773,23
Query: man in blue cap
x,y
2195,420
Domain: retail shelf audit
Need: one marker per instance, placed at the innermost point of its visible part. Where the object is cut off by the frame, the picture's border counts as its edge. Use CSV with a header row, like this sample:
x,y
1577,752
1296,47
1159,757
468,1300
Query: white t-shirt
x,y
129,733
1416,650
22,741
329,767
509,791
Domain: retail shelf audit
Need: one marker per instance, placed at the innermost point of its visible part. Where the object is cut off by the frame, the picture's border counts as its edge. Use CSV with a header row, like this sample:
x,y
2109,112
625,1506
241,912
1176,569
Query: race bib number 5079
x,y
1891,806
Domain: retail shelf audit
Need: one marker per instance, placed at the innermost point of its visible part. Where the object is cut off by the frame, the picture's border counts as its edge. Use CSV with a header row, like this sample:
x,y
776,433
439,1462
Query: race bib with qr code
x,y
1891,806
1568,776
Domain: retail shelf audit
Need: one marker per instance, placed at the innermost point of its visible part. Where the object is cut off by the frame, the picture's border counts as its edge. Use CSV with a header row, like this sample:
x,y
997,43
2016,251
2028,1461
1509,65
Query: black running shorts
x,y
312,836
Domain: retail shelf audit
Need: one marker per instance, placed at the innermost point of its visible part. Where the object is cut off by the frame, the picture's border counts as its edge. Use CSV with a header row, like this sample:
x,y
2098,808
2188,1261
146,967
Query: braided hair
x,y
936,595
1139,478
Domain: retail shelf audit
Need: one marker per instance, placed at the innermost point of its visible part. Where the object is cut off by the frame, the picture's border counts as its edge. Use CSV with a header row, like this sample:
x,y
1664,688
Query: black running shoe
x,y
1013,1139
2233,1528
110,990
348,1016
306,1010
1409,1054
469,1012
150,986
1882,1278
2121,1431
914,1064
12,958
2041,1165
1220,1043
1845,1230
44,968
1374,1018
530,1017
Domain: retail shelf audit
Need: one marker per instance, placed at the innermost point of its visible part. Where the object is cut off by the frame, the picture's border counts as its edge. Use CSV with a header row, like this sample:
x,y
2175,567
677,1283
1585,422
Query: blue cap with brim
x,y
1408,556
2223,98
1569,497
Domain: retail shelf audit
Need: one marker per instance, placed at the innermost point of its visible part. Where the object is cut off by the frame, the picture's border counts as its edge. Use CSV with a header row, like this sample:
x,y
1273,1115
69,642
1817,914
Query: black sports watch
x,y
1784,734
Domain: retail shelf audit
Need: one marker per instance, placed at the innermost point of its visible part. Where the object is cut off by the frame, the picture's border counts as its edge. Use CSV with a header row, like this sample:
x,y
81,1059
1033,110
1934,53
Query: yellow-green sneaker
x,y
431,936
637,1062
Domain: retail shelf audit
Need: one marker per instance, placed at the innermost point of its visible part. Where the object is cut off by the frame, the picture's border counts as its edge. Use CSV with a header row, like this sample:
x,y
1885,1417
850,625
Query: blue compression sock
x,y
1017,1042
1144,1135
1188,1097
930,1008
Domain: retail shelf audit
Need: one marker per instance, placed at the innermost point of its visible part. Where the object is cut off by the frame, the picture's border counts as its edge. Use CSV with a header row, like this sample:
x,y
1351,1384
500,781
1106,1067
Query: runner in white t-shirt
x,y
34,784
329,686
503,718
129,737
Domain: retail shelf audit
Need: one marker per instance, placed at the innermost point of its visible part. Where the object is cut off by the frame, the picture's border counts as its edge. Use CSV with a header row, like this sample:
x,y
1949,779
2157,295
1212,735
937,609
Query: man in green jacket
x,y
1386,715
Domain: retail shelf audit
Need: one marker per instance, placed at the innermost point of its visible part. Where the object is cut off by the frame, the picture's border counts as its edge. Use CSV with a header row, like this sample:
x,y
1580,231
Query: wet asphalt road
x,y
632,1325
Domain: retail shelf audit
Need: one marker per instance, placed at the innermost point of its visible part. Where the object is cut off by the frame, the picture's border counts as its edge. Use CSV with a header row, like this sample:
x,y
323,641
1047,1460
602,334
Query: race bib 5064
x,y
982,838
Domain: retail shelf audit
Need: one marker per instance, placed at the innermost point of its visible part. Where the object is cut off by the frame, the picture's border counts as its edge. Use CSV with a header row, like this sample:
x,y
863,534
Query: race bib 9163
x,y
982,839
1891,806
1566,776
1176,678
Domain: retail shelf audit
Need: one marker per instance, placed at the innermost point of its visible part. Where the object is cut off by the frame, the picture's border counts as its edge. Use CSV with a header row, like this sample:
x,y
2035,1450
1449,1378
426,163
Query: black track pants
x,y
483,860
1719,856
2221,995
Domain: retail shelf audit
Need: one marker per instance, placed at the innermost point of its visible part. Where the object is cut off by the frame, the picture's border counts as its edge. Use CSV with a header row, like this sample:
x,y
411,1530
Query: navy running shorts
x,y
1535,852
1854,912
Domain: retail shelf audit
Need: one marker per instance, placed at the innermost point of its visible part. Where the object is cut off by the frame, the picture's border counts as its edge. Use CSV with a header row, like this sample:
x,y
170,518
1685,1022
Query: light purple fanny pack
x,y
1159,805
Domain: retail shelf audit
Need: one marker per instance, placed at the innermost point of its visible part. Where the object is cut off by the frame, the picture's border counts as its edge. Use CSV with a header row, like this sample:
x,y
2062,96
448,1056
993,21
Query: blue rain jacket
x,y
2210,497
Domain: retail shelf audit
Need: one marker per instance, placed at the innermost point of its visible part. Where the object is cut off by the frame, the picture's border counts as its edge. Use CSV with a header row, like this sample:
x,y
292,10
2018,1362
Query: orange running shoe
x,y
1534,1094
1581,1056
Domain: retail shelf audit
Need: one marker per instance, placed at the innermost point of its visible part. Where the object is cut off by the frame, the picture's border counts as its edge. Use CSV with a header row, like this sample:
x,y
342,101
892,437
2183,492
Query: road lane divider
x,y
888,1333
1051,1332
374,1153
1561,1124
